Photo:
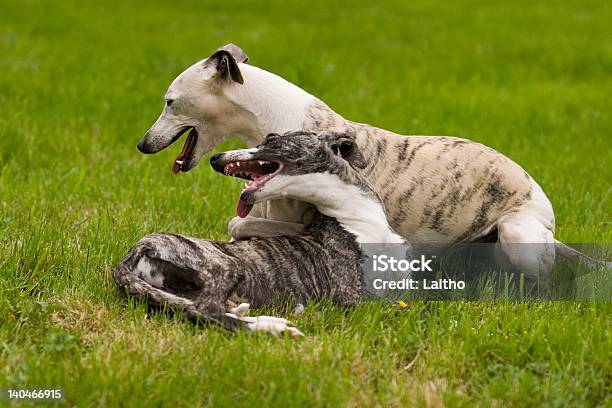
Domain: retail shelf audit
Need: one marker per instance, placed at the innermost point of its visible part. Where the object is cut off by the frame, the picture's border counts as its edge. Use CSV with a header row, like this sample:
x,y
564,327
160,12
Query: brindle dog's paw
x,y
276,326
268,324
241,310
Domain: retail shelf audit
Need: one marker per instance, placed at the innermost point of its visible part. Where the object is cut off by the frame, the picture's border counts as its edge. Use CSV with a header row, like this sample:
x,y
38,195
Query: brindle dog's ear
x,y
345,147
226,60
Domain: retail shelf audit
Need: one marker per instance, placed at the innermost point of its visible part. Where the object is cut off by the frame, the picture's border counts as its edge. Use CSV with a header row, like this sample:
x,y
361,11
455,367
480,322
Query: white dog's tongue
x,y
243,209
187,147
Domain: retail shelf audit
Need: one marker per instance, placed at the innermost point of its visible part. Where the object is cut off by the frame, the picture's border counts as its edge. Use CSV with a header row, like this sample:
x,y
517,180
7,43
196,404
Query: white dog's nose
x,y
142,147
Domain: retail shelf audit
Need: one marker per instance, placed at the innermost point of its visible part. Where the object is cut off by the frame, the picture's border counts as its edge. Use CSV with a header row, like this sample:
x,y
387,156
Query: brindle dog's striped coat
x,y
201,276
324,261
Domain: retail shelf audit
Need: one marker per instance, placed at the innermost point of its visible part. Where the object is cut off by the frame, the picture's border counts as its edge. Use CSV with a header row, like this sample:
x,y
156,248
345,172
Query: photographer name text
x,y
385,263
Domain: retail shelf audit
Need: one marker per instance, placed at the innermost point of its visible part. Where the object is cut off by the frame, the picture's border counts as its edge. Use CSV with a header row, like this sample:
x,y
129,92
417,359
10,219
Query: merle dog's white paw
x,y
268,324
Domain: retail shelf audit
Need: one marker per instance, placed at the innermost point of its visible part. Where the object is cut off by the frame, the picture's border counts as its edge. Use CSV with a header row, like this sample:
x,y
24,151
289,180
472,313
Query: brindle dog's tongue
x,y
243,209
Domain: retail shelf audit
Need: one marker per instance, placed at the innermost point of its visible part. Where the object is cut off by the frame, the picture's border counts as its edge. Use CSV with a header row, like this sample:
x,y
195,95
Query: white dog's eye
x,y
169,102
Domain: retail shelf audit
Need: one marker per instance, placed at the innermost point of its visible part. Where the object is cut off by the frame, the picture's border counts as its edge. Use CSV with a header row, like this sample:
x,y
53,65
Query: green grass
x,y
82,81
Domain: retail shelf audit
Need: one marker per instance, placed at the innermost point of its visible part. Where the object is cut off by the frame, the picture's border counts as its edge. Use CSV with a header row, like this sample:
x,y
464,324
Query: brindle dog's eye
x,y
169,102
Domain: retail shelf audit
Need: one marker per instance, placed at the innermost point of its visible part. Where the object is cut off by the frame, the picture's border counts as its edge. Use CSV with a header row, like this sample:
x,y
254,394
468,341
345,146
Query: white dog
x,y
435,189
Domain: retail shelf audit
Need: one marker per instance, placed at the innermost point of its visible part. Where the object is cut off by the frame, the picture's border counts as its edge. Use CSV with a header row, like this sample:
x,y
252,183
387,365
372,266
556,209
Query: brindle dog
x,y
323,261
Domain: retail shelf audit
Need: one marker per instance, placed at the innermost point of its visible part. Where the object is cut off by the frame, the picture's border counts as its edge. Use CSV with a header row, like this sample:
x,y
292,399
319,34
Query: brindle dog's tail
x,y
580,258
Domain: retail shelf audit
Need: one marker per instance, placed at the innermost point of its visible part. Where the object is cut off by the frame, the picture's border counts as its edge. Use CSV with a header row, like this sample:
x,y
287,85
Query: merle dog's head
x,y
306,166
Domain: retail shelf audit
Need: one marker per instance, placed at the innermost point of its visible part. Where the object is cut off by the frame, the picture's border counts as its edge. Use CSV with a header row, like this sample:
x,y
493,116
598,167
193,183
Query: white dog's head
x,y
195,102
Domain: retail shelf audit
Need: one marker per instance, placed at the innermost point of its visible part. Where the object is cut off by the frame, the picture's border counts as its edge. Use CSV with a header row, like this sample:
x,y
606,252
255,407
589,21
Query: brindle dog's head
x,y
306,166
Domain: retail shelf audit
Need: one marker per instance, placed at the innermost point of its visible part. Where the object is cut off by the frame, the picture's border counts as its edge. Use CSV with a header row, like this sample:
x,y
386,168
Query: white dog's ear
x,y
345,147
226,61
235,52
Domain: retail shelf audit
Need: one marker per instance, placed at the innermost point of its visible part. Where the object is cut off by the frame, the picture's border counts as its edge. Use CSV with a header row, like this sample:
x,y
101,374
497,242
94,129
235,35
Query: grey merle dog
x,y
205,277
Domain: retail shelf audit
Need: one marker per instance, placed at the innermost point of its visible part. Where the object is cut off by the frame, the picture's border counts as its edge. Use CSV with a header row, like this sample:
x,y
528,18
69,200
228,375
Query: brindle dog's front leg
x,y
213,296
267,324
211,305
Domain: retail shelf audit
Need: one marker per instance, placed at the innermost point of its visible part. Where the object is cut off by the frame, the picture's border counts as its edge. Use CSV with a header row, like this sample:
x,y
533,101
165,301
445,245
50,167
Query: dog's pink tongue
x,y
176,167
243,209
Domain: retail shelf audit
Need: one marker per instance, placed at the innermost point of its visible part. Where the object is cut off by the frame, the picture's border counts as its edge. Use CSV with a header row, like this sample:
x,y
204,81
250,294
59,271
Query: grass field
x,y
82,81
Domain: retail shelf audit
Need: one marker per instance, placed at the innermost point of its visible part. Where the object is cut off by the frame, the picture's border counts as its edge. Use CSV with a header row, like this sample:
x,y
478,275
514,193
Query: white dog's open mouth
x,y
258,171
183,159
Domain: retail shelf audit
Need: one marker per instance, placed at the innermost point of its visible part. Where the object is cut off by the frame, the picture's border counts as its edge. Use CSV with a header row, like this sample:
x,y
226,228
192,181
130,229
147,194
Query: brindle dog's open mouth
x,y
180,163
258,171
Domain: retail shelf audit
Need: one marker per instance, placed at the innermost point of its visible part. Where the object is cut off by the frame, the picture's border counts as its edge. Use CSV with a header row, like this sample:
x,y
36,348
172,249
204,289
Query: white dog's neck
x,y
357,211
277,105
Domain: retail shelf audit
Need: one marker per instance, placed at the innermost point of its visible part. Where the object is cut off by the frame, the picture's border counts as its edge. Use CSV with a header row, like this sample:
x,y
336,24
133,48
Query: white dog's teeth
x,y
238,164
261,163
179,162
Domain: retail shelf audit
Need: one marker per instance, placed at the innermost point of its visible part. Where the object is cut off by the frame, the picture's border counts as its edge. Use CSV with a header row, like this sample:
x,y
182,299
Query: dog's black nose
x,y
214,162
142,147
